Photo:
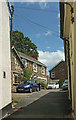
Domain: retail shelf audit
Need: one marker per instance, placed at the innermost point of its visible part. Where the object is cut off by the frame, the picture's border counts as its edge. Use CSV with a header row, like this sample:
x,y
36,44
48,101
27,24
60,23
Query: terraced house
x,y
35,66
68,34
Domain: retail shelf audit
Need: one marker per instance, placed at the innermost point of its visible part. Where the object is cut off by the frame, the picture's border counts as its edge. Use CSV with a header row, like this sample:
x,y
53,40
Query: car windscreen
x,y
51,83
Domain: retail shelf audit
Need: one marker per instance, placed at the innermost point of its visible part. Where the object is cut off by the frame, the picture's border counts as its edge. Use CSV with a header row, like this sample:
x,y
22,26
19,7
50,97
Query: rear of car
x,y
65,85
52,85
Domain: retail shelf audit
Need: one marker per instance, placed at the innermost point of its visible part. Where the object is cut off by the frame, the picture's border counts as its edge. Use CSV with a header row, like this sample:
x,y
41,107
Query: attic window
x,y
25,62
43,70
4,74
53,75
35,67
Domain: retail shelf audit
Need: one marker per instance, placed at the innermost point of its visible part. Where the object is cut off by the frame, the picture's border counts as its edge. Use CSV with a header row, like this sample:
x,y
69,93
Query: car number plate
x,y
20,89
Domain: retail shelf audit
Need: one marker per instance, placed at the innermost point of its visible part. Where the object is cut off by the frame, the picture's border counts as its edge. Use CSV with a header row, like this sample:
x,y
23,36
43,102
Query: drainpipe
x,y
69,67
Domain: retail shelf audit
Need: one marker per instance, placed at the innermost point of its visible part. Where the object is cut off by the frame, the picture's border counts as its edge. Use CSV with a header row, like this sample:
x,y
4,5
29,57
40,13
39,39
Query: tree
x,y
27,75
23,44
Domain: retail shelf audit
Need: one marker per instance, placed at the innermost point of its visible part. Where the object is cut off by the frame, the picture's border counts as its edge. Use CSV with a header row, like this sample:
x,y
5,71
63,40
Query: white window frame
x,y
34,67
43,70
52,74
25,62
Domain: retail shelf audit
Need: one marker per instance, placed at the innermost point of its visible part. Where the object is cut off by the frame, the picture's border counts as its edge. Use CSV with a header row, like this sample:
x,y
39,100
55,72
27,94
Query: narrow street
x,y
44,104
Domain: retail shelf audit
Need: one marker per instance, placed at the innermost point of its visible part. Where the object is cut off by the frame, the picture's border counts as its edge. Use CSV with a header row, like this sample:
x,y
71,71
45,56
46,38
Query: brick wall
x,y
60,71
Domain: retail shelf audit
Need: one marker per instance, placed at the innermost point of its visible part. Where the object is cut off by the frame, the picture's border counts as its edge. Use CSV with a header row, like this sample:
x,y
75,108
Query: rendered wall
x,y
5,59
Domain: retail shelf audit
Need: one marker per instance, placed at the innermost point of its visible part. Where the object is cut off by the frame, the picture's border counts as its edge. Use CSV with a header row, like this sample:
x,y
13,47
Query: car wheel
x,y
30,90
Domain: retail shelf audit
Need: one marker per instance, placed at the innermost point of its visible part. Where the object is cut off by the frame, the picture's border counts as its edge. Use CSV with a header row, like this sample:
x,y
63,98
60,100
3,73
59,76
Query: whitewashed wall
x,y
5,60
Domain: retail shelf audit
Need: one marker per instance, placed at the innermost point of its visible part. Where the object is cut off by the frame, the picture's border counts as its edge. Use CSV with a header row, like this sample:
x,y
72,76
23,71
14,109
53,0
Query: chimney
x,y
36,57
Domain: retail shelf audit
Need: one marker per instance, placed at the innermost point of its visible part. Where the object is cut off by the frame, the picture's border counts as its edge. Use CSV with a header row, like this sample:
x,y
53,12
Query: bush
x,y
61,82
43,85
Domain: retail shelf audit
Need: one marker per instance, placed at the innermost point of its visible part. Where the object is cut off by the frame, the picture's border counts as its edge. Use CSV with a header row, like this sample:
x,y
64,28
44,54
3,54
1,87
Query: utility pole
x,y
12,11
11,28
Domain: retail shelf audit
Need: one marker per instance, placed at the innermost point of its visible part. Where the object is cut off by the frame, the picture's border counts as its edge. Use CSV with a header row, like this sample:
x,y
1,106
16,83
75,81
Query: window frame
x,y
52,74
43,70
34,68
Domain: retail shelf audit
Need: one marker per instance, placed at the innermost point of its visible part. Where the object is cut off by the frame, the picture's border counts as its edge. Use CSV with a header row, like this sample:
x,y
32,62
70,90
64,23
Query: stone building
x,y
39,69
59,71
17,69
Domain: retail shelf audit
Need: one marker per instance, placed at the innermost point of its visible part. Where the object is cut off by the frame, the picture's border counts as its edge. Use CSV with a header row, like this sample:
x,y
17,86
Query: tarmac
x,y
45,104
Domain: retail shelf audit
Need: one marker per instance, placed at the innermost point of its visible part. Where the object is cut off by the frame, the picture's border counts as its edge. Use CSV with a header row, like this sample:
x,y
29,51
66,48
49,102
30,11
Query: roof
x,y
22,55
18,57
57,65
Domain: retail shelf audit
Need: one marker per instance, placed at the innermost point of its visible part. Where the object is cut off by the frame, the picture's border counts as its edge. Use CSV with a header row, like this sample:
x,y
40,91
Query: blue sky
x,y
40,22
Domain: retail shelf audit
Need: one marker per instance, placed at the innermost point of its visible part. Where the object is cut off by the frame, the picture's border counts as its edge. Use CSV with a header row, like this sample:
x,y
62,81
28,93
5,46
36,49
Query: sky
x,y
40,21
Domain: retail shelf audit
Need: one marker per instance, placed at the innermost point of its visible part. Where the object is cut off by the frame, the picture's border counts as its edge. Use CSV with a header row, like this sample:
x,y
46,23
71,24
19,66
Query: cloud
x,y
58,15
43,5
48,47
51,58
48,33
44,34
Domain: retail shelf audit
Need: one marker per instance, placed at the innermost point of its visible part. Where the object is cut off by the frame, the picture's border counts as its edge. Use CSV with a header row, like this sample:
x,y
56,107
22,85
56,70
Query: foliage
x,y
27,74
61,82
23,44
43,85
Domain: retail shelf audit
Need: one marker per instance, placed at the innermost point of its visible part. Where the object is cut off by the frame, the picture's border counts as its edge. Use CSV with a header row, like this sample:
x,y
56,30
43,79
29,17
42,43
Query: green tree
x,y
27,75
23,44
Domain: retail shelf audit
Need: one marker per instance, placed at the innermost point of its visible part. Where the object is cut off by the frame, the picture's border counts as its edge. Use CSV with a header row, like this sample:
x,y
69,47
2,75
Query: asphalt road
x,y
51,104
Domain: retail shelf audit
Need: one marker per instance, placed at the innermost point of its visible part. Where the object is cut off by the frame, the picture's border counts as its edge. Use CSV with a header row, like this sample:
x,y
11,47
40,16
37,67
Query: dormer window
x,y
25,62
35,67
43,70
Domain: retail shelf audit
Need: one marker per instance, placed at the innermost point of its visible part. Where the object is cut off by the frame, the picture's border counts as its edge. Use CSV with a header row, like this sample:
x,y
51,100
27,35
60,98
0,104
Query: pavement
x,y
46,104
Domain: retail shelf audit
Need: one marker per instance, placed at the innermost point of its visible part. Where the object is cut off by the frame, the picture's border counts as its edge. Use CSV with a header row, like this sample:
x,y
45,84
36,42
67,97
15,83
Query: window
x,y
35,67
43,70
25,62
4,74
53,75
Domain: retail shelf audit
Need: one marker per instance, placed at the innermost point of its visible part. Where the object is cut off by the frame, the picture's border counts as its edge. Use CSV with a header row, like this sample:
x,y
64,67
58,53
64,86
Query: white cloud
x,y
48,33
43,5
51,58
58,15
48,47
44,34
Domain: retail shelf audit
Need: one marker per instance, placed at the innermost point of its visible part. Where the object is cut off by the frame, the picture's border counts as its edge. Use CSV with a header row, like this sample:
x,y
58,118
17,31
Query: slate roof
x,y
22,55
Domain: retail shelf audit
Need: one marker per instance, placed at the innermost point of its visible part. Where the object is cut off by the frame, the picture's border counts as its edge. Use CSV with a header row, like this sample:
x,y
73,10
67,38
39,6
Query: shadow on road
x,y
54,105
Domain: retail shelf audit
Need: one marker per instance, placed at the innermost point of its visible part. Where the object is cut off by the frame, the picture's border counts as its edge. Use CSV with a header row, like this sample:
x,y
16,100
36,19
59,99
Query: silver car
x,y
65,85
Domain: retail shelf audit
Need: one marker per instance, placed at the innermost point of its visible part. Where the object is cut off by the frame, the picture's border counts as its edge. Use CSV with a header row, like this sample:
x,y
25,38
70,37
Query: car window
x,y
52,83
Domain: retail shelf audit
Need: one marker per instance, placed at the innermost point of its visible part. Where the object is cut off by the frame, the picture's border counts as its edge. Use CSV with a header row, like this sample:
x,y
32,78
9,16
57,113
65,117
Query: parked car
x,y
65,85
52,85
29,86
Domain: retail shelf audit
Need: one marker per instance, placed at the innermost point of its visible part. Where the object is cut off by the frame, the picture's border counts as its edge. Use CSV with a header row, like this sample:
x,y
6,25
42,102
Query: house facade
x,y
67,33
38,69
5,60
59,71
17,69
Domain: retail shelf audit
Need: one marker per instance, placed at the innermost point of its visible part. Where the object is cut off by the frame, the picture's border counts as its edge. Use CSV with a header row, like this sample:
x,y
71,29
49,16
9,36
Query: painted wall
x,y
5,60
70,32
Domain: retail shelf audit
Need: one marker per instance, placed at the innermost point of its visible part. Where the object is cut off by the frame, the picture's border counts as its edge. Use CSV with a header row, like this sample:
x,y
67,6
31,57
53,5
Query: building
x,y
5,60
39,69
17,69
59,71
67,33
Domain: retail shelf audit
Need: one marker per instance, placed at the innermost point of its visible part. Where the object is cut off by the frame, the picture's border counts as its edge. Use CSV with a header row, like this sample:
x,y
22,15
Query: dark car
x,y
65,85
29,86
